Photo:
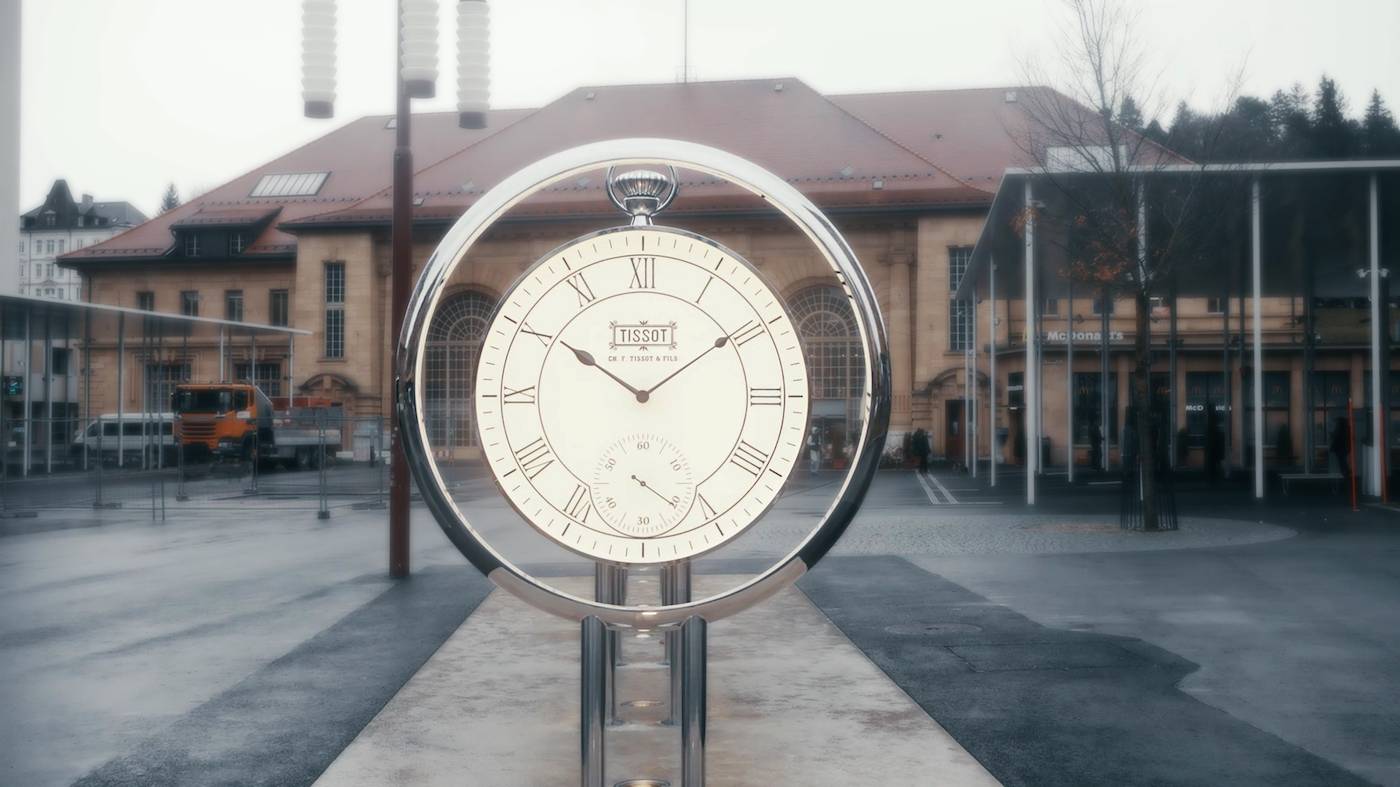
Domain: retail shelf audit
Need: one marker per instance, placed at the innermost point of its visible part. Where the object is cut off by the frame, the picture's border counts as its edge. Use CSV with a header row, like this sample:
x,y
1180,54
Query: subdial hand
x,y
649,488
586,358
720,342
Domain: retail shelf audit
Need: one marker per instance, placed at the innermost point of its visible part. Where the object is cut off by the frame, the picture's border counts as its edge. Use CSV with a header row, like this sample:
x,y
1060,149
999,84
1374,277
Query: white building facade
x,y
59,226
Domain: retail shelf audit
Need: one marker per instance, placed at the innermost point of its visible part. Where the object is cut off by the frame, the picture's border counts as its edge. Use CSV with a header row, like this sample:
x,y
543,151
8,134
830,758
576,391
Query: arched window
x,y
454,346
830,340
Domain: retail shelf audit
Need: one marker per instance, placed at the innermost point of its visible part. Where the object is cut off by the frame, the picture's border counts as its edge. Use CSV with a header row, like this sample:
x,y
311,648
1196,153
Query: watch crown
x,y
641,193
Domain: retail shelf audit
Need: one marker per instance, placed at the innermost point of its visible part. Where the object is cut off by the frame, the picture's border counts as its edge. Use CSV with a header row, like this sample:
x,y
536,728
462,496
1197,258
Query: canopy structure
x,y
1304,250
63,360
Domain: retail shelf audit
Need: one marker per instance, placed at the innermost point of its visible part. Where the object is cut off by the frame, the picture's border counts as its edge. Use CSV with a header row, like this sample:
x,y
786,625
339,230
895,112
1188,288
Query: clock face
x,y
641,395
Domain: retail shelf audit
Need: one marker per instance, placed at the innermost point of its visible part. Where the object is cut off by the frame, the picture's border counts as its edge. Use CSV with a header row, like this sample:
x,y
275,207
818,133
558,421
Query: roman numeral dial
x,y
641,395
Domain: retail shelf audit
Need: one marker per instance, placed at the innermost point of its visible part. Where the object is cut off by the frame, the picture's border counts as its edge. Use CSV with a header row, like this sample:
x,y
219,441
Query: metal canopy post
x,y
972,429
48,392
1256,264
1031,393
1069,386
121,389
223,354
1377,371
992,371
1171,374
1105,304
28,384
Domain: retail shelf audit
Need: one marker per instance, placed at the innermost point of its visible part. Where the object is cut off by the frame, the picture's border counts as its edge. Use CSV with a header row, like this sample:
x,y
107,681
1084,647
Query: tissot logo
x,y
643,335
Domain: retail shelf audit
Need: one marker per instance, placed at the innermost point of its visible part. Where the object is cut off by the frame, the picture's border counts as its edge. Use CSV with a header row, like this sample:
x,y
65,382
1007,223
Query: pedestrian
x,y
814,450
921,448
1341,447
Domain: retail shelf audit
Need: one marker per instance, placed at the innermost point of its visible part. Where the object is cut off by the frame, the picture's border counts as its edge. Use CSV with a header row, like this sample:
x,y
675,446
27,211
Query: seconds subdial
x,y
643,485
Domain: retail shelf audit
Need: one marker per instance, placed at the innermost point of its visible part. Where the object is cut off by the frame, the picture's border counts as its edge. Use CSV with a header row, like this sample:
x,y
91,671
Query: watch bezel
x,y
410,353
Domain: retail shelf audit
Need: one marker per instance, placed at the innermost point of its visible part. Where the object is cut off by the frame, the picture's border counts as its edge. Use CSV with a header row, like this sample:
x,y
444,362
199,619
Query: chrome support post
x,y
593,700
675,589
693,689
610,587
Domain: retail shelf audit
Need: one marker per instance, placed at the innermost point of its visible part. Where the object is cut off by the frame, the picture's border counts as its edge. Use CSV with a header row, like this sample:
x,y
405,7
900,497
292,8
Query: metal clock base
x,y
593,680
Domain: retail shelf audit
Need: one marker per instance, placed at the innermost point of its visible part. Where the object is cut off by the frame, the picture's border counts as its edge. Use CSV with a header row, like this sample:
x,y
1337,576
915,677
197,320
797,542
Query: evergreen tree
x,y
1380,138
1333,134
1292,125
1129,115
171,200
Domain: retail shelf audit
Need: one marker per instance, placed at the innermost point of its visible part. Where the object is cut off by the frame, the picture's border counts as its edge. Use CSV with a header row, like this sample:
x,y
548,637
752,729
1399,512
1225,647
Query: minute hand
x,y
720,342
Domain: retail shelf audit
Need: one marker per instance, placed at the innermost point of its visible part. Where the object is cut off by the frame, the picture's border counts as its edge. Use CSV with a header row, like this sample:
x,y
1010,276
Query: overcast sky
x,y
122,97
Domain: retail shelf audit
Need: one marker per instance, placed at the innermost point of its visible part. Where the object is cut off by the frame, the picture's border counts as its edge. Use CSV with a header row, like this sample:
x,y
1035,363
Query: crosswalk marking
x,y
928,490
938,494
943,489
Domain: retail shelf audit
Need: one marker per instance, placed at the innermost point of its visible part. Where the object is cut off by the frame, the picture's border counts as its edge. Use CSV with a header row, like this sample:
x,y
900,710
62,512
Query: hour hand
x,y
586,358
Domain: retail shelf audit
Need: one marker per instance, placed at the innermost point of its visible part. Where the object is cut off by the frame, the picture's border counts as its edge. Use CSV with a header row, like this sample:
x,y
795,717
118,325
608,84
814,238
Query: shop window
x,y
1276,396
1205,391
1088,405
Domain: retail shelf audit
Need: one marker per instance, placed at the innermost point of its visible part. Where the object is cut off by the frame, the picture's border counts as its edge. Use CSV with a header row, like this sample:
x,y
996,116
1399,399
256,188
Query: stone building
x,y
304,240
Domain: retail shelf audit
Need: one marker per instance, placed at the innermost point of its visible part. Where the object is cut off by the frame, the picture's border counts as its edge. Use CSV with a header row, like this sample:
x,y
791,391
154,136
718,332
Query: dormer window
x,y
192,245
50,219
237,242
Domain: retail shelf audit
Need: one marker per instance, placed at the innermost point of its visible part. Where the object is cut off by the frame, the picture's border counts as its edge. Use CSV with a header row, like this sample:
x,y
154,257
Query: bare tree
x,y
1123,228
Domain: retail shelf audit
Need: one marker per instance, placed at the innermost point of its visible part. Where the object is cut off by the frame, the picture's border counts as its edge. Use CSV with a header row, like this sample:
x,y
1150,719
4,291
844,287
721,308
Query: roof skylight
x,y
290,184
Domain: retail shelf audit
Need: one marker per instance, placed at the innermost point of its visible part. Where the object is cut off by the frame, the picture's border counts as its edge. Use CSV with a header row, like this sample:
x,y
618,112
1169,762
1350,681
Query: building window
x,y
1215,305
1052,306
161,379
233,305
189,303
61,245
265,375
1276,395
1331,390
1088,406
1103,305
50,220
277,307
191,245
959,325
59,361
1207,408
335,310
959,312
146,301
453,349
236,243
48,247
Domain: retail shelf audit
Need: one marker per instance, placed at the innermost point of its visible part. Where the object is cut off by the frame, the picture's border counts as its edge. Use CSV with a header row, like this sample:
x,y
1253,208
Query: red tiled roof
x,y
831,155
357,156
867,151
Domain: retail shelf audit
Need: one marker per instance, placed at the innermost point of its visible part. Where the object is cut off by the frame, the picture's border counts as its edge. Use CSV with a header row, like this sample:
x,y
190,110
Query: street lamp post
x,y
415,77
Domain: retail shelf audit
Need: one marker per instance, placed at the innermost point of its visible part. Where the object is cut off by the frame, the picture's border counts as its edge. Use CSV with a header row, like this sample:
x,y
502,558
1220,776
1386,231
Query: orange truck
x,y
239,421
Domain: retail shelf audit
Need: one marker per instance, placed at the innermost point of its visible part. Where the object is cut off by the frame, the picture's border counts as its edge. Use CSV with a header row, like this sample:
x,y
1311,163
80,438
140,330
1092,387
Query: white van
x,y
137,430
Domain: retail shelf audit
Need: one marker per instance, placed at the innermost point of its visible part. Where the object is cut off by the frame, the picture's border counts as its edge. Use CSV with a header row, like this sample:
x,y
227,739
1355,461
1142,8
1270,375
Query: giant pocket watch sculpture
x,y
641,398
